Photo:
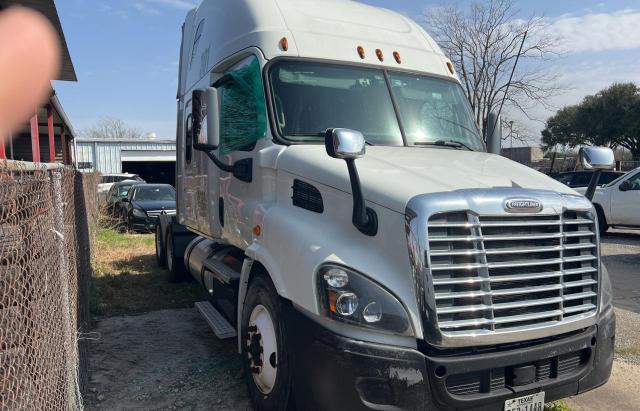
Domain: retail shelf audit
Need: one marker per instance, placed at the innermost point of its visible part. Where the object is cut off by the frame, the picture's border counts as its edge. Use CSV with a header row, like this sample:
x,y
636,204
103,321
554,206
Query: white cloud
x,y
598,31
107,9
178,4
145,8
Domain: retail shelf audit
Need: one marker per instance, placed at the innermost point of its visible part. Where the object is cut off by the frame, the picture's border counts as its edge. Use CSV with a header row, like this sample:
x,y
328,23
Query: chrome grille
x,y
507,273
156,213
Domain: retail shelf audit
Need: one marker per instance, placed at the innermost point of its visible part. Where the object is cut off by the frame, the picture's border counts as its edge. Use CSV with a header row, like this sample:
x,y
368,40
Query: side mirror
x,y
597,158
349,145
625,186
205,102
494,133
344,143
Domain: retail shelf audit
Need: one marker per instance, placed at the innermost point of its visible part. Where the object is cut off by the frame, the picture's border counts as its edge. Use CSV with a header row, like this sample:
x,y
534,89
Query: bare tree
x,y
485,42
111,128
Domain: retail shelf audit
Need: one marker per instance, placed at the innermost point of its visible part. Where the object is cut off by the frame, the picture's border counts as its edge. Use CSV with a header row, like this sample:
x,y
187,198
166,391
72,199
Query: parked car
x,y
116,193
109,179
144,203
618,203
576,179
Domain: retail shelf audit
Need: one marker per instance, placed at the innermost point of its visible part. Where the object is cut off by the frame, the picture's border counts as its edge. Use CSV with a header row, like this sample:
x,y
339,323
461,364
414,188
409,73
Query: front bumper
x,y
333,372
144,223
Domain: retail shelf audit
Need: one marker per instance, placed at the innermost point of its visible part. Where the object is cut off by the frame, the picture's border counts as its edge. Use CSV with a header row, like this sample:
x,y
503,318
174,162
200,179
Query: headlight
x,y
347,296
139,213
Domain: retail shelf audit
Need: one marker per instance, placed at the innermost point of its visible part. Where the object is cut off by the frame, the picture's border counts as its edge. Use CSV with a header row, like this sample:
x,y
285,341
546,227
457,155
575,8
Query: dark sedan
x,y
145,202
116,193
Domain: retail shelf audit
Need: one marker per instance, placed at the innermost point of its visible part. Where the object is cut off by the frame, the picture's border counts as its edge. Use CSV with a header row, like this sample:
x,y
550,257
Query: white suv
x,y
618,203
109,179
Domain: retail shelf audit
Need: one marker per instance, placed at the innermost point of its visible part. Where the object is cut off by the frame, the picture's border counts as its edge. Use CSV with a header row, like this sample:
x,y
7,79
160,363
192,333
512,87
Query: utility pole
x,y
511,134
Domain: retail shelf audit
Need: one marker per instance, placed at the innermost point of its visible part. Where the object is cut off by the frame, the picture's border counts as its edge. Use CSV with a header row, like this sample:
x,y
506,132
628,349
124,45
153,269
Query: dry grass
x,y
557,406
127,279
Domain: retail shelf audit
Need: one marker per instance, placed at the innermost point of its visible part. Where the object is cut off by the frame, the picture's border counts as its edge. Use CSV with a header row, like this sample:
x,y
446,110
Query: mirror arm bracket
x,y
591,189
364,218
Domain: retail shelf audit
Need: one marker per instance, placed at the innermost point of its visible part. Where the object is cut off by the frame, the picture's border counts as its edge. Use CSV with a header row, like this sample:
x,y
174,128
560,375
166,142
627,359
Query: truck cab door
x,y
242,122
625,202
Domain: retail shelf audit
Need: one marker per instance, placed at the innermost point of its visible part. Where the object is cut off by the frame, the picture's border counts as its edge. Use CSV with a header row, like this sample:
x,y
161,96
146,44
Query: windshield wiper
x,y
443,143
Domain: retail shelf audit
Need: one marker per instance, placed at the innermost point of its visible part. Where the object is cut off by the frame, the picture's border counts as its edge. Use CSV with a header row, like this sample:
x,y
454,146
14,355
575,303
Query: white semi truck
x,y
337,202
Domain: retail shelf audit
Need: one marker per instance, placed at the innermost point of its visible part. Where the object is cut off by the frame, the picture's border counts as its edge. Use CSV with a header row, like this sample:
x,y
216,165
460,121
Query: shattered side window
x,y
243,118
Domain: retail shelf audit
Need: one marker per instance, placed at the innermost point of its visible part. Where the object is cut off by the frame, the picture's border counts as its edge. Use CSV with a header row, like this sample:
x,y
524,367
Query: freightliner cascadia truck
x,y
355,234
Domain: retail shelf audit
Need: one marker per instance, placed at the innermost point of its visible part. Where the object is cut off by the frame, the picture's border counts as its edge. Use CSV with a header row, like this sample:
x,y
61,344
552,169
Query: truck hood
x,y
391,176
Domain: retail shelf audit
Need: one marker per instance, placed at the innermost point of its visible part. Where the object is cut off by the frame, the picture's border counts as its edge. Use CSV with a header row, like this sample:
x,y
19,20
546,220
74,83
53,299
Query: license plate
x,y
531,402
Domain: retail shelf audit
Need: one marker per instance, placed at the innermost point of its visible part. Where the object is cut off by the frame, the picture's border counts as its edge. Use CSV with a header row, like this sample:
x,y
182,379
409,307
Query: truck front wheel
x,y
264,347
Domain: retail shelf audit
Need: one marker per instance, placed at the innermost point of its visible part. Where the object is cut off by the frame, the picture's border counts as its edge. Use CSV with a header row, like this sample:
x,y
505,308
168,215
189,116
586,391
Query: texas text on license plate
x,y
532,402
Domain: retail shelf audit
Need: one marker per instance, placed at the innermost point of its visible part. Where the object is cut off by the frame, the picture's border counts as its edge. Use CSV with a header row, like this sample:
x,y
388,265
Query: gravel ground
x,y
628,336
164,360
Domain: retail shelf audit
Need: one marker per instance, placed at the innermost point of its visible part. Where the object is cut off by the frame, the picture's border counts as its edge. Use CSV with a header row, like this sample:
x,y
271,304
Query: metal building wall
x,y
105,155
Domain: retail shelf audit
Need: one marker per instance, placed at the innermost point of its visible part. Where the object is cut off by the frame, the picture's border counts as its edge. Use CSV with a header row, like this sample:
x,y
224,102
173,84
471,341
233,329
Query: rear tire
x,y
160,251
264,347
603,226
122,222
174,264
130,228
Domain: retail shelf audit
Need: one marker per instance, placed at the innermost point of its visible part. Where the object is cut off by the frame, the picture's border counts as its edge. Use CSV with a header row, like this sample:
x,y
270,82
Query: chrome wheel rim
x,y
262,349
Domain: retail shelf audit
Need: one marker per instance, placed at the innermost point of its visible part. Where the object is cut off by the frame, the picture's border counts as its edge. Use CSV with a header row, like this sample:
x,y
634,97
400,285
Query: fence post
x,y
83,268
68,317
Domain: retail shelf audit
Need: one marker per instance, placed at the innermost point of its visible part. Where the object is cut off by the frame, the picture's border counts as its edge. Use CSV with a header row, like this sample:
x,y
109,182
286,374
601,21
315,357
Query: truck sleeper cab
x,y
336,200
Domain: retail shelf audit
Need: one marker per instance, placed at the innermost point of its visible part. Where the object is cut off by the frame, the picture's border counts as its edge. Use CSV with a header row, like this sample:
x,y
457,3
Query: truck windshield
x,y
311,97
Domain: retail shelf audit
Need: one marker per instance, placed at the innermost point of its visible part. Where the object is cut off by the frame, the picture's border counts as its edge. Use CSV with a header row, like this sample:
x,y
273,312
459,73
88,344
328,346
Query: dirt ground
x,y
170,359
164,360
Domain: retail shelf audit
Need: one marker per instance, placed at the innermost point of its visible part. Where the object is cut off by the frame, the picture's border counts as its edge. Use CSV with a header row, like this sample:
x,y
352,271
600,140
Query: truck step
x,y
221,271
216,321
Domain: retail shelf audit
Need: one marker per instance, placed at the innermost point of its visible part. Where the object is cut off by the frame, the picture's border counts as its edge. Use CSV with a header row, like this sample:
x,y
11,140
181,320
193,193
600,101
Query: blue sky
x,y
125,54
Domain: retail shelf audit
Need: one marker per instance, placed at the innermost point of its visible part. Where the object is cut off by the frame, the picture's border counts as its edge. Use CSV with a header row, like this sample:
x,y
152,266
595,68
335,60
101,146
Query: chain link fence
x,y
47,224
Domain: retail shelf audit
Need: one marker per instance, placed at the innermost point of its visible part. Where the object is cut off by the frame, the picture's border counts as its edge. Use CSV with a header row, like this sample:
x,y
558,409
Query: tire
x,y
602,220
264,339
160,250
122,222
130,228
175,265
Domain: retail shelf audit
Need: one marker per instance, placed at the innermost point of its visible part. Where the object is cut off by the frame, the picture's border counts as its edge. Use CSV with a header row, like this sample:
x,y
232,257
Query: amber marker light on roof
x,y
361,52
257,230
396,56
284,44
379,54
450,67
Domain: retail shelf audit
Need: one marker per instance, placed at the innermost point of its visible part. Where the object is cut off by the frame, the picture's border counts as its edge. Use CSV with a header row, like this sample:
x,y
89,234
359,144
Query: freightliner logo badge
x,y
522,205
